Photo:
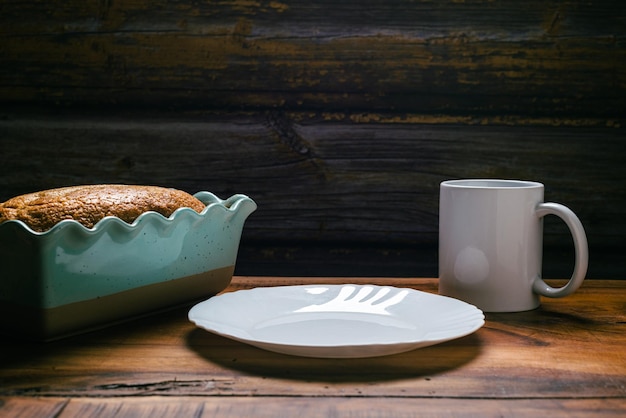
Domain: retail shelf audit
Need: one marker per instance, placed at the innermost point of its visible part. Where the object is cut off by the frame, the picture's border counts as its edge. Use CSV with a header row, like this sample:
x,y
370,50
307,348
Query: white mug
x,y
491,244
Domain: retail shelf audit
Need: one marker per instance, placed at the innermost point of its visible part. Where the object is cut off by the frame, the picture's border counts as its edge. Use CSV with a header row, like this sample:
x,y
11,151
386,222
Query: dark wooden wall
x,y
339,118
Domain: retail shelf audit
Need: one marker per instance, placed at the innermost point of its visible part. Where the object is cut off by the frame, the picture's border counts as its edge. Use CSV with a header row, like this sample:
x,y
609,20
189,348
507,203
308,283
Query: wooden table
x,y
567,358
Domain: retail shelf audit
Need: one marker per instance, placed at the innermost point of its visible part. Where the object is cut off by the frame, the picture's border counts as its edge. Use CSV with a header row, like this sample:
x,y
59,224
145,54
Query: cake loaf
x,y
89,204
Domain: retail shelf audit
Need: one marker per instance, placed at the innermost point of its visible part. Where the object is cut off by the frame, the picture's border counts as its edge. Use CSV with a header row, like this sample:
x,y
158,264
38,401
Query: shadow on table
x,y
426,361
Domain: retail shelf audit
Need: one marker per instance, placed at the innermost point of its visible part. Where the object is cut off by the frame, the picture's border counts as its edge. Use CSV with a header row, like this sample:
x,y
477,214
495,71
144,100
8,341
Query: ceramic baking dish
x,y
70,279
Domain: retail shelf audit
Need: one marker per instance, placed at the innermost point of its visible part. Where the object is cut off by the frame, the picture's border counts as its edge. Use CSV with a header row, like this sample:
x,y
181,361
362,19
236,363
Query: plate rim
x,y
475,322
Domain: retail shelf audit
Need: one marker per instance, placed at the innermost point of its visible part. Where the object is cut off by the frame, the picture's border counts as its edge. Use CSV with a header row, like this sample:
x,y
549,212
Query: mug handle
x,y
580,247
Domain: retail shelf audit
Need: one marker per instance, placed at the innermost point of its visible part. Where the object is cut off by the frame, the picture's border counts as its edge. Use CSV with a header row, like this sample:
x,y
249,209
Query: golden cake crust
x,y
89,204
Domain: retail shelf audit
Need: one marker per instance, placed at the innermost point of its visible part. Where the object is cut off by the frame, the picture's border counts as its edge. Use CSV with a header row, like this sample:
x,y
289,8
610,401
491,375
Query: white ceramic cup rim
x,y
491,184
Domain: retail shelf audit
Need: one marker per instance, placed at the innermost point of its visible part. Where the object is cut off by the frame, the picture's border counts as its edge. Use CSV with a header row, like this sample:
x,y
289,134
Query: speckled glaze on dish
x,y
150,264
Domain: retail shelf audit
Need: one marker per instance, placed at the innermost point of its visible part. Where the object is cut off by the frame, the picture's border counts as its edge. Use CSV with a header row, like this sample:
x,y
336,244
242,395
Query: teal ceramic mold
x,y
70,278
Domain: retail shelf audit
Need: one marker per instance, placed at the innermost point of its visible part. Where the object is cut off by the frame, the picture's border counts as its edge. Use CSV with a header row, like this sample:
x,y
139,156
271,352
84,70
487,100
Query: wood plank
x,y
344,183
569,348
354,170
233,406
469,57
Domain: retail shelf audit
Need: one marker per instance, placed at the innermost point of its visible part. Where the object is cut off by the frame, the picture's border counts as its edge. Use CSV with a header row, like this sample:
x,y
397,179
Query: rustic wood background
x,y
340,119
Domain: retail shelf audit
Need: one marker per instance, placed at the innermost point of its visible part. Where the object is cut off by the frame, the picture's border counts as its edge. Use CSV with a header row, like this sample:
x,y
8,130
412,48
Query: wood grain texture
x,y
340,119
261,407
553,58
334,182
566,358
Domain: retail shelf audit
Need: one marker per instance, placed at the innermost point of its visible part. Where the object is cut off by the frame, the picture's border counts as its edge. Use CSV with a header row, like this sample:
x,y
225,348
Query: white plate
x,y
337,321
